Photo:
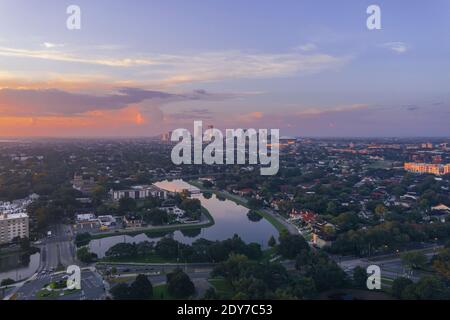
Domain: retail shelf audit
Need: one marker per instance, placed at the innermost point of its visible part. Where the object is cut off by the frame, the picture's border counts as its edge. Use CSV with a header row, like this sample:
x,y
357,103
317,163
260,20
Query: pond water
x,y
18,266
230,218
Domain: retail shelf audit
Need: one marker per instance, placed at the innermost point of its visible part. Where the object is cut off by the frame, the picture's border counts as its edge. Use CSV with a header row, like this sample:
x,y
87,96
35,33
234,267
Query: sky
x,y
142,68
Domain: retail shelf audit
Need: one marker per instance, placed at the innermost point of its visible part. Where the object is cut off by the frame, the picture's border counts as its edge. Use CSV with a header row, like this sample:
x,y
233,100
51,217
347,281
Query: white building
x,y
174,210
107,220
12,226
139,192
86,217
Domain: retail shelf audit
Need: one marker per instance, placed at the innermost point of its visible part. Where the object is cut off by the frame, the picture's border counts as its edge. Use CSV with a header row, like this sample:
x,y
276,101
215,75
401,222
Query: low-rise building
x,y
86,217
174,210
133,221
107,220
139,192
82,184
321,239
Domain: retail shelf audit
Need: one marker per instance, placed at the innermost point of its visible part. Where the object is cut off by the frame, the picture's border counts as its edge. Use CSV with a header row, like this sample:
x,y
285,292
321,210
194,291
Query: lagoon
x,y
230,218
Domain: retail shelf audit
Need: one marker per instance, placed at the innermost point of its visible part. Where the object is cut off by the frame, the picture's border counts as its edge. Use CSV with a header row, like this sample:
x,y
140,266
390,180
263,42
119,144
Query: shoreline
x,y
157,229
236,199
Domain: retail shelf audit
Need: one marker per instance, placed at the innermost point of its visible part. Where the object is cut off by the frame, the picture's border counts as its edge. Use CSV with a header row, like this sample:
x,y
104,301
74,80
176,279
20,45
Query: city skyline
x,y
309,68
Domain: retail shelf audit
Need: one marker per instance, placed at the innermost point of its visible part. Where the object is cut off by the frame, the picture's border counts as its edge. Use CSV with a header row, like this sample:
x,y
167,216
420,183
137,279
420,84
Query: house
x,y
174,210
321,239
209,179
86,217
306,216
439,212
133,221
441,207
245,192
323,234
275,204
107,220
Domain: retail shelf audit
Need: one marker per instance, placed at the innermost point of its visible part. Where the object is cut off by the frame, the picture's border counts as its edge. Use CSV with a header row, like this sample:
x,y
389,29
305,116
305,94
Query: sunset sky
x,y
140,68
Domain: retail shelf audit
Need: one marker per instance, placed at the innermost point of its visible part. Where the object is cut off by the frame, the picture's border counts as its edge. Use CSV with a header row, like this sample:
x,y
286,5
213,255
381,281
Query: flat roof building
x,y
12,226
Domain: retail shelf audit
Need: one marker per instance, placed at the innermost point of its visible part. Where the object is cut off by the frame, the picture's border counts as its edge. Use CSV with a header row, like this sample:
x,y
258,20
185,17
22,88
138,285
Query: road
x,y
92,287
59,249
57,252
391,266
153,268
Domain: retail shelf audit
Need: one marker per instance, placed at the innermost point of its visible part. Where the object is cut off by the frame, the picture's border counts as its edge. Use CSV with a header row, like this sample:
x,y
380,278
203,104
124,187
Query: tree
x,y
168,248
122,250
359,277
441,263
399,285
120,292
211,294
331,208
255,203
254,216
325,272
7,282
272,242
291,245
156,217
207,184
192,205
127,205
430,288
414,259
82,239
84,255
24,244
179,285
380,210
141,288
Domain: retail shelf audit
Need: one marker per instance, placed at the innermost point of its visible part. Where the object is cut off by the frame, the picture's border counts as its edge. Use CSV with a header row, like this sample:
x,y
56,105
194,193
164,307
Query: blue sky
x,y
306,67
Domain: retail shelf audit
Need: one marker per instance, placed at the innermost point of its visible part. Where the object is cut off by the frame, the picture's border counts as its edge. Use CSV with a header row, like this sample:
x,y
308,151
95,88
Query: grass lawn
x,y
121,280
223,287
46,294
160,293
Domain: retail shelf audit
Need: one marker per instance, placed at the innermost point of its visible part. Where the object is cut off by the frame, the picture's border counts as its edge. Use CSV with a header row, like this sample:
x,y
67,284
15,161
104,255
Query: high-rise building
x,y
12,226
166,137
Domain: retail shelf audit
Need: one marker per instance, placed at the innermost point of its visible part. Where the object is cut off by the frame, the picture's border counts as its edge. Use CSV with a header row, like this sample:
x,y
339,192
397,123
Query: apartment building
x,y
12,226
431,168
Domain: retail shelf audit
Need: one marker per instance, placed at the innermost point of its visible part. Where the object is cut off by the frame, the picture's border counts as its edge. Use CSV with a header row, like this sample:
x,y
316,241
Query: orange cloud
x,y
98,122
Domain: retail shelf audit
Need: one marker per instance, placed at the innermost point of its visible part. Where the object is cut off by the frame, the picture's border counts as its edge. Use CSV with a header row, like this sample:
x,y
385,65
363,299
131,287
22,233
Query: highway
x,y
391,266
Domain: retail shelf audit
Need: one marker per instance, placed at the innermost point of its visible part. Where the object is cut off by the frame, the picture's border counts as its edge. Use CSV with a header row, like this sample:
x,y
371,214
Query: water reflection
x,y
18,266
230,218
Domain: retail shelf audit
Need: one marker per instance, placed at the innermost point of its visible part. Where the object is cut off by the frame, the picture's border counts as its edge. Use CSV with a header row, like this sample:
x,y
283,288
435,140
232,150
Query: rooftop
x,y
6,216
